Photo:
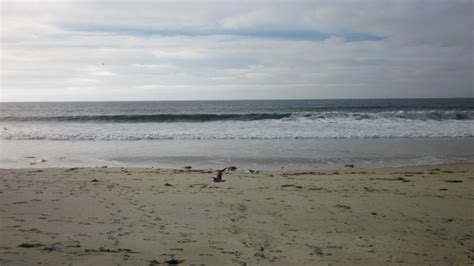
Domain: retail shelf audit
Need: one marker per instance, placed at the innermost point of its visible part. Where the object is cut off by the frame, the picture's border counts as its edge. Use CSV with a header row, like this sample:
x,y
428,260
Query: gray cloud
x,y
96,50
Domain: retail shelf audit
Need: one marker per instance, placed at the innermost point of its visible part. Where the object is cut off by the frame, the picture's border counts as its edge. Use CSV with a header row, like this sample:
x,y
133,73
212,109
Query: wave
x,y
256,129
436,115
167,137
407,115
153,117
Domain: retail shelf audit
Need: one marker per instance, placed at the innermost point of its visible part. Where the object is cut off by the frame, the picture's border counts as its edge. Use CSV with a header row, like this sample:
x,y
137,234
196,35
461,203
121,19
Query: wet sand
x,y
109,216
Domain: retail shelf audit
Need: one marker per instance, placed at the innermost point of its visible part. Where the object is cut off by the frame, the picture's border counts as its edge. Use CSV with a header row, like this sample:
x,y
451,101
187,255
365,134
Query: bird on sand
x,y
218,178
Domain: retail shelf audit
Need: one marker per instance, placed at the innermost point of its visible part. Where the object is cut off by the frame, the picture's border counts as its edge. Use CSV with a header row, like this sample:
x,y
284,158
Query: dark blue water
x,y
201,111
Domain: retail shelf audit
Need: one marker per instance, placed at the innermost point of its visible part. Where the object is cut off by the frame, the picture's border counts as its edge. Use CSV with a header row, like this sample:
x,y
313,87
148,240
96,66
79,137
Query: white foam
x,y
299,128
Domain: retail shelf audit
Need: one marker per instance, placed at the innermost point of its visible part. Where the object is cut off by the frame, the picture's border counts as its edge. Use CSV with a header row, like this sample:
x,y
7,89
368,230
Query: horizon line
x,y
214,100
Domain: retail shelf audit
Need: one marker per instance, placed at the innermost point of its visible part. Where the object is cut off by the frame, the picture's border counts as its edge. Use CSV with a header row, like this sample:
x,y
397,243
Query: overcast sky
x,y
194,50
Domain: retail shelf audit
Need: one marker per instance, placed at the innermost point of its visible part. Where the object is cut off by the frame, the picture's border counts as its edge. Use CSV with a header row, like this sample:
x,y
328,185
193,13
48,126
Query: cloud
x,y
178,54
151,66
84,80
102,73
247,49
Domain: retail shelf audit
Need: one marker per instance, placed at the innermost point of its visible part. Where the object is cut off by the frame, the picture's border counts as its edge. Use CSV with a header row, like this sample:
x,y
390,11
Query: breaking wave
x,y
287,128
435,115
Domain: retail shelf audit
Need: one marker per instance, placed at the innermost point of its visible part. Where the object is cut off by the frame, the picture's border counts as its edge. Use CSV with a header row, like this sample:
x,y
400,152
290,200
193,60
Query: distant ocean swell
x,y
153,118
436,115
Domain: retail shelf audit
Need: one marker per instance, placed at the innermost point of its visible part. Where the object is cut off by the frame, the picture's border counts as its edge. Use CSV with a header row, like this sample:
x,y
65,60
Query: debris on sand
x,y
291,185
154,262
28,245
51,249
173,261
94,180
392,179
108,250
316,251
343,206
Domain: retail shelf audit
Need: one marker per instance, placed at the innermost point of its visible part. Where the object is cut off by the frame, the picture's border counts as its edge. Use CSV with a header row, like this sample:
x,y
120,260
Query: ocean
x,y
260,134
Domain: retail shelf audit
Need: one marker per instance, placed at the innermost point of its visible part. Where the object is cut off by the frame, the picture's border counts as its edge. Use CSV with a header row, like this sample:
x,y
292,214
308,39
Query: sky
x,y
218,50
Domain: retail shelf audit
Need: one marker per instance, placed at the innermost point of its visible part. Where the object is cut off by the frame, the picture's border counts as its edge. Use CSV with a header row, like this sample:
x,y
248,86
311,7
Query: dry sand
x,y
412,215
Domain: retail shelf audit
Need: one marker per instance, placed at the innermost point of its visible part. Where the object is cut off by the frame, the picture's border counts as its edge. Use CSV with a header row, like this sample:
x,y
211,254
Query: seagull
x,y
218,178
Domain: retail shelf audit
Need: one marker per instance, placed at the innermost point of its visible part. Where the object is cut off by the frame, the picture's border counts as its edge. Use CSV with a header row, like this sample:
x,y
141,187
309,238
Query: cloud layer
x,y
181,50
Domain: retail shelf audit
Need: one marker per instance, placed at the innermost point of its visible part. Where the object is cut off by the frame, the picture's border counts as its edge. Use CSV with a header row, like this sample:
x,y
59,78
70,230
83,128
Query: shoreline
x,y
416,215
347,169
244,154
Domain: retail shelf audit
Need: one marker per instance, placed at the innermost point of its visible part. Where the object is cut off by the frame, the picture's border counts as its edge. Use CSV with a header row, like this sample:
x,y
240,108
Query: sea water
x,y
267,134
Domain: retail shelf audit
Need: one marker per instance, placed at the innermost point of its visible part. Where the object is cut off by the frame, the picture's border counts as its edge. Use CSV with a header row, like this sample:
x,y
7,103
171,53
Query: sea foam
x,y
300,127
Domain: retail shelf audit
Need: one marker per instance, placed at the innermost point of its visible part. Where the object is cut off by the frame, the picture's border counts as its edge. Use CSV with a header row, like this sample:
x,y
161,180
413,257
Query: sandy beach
x,y
117,216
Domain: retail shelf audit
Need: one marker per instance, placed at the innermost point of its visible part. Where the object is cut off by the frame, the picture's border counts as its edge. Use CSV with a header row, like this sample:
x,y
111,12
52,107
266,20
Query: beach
x,y
419,215
236,133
